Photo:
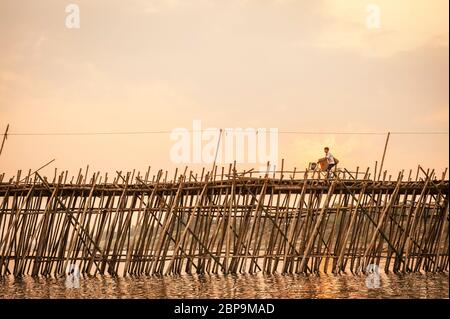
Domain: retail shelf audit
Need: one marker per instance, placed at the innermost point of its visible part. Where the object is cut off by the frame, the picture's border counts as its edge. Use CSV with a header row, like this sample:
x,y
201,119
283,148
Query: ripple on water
x,y
417,285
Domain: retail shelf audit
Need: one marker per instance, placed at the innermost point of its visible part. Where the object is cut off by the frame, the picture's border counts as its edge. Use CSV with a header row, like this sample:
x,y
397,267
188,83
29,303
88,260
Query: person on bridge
x,y
328,162
330,158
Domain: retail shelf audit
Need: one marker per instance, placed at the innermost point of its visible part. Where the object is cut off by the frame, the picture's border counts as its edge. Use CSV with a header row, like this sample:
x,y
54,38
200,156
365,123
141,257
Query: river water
x,y
416,285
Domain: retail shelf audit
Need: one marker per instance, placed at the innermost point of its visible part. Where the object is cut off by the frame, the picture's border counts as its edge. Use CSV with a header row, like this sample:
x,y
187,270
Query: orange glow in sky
x,y
156,65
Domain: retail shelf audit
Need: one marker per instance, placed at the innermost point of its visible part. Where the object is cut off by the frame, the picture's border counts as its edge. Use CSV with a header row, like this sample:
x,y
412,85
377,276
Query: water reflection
x,y
238,286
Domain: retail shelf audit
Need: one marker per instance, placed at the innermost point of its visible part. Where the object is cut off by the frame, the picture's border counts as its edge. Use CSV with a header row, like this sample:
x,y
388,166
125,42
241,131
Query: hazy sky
x,y
148,65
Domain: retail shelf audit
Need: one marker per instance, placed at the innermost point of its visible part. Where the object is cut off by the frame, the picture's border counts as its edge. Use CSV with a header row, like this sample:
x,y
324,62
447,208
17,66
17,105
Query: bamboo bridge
x,y
224,222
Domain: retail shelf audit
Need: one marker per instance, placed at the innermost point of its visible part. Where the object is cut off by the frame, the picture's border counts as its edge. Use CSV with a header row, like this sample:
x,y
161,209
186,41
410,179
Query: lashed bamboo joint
x,y
286,222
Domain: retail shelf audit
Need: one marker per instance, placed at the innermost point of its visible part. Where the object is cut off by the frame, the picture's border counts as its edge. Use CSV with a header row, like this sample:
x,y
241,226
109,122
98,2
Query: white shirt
x,y
330,158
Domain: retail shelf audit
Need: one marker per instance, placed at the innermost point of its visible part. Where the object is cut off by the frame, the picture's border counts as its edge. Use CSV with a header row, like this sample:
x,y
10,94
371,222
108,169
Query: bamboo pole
x,y
384,154
5,136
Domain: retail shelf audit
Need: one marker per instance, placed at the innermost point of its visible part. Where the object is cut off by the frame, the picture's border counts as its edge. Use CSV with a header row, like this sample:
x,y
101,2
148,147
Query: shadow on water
x,y
417,285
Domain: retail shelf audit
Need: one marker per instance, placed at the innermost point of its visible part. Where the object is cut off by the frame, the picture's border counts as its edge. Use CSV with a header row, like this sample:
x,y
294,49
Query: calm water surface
x,y
239,286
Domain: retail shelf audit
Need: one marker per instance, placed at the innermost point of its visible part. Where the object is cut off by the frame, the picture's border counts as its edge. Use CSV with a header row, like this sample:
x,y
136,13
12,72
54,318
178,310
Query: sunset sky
x,y
156,65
